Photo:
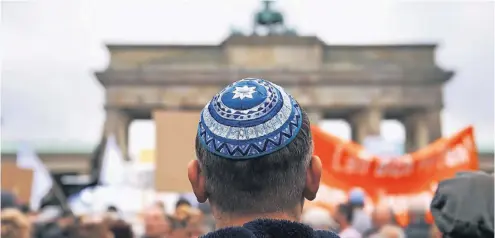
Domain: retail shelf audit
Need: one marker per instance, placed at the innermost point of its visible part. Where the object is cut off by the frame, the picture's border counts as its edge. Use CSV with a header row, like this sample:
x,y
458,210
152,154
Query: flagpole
x,y
59,194
43,182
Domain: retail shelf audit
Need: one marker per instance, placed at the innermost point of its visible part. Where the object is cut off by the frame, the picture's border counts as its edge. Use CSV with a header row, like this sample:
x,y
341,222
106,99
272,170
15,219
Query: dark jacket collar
x,y
271,228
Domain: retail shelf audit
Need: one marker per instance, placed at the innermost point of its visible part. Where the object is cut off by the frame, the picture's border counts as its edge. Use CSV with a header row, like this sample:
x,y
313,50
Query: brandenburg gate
x,y
361,84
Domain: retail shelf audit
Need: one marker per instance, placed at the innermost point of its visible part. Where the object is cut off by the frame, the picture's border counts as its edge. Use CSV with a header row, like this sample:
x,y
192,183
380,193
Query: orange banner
x,y
397,181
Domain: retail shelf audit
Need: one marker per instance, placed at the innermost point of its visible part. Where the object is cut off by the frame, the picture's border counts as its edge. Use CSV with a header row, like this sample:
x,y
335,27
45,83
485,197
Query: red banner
x,y
397,181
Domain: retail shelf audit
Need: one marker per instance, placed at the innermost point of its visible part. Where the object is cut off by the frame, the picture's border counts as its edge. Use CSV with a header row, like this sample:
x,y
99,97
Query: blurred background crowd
x,y
186,220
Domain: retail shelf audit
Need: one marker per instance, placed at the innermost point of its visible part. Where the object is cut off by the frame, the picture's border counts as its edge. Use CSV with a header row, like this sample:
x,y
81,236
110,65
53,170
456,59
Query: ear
x,y
313,175
197,180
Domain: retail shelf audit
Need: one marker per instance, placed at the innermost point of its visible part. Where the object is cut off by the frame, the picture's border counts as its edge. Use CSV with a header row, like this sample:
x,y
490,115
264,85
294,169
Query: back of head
x,y
112,209
382,215
15,224
120,229
92,230
155,221
254,146
390,231
182,202
463,206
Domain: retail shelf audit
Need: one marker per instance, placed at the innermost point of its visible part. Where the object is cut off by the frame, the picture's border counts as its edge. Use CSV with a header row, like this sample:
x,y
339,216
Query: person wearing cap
x,y
463,206
255,162
362,221
344,217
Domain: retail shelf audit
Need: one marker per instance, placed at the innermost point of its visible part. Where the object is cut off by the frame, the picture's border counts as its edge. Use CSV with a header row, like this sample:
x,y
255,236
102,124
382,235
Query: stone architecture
x,y
362,84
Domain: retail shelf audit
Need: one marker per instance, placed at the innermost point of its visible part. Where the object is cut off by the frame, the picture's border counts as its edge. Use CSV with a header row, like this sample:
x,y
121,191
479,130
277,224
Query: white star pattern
x,y
243,92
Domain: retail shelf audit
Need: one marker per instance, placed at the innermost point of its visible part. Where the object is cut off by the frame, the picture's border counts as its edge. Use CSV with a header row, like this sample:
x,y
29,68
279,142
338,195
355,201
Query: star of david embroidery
x,y
243,92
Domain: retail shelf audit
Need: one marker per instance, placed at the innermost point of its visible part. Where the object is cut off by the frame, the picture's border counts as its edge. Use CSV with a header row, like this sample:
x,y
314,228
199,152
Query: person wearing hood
x,y
463,206
255,162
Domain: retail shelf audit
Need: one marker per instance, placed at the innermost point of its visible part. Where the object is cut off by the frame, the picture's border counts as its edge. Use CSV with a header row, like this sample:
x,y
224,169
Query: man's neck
x,y
223,221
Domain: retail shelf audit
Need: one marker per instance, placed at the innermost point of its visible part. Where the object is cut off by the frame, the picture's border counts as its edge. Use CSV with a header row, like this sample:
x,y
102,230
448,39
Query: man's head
x,y
112,209
155,223
344,215
182,202
382,215
254,151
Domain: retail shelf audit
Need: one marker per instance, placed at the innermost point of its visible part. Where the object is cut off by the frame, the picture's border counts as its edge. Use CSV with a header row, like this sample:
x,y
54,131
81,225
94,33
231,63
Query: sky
x,y
53,47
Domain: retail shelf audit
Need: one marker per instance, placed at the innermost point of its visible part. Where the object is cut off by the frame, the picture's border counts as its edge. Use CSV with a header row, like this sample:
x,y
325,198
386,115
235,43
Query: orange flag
x,y
413,176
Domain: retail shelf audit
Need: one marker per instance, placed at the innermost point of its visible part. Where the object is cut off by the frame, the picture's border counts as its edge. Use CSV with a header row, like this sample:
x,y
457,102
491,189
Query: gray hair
x,y
271,183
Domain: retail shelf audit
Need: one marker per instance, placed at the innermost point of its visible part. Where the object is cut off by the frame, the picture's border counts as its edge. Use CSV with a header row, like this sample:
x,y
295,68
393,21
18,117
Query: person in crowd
x,y
53,223
362,220
319,218
255,162
180,219
182,210
14,224
417,227
195,222
92,230
381,216
120,229
112,213
463,206
156,224
26,210
8,199
392,231
343,216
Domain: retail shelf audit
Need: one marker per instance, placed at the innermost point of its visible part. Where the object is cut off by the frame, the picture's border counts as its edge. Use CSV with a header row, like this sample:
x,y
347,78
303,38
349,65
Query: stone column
x,y
434,124
117,123
315,117
417,133
366,123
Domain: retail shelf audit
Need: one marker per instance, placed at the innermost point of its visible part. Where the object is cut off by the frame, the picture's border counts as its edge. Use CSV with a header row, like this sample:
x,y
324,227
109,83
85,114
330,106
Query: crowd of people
x,y
51,222
254,169
350,220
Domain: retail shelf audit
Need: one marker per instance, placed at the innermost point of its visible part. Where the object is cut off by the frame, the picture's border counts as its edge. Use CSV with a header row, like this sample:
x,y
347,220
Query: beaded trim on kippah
x,y
248,119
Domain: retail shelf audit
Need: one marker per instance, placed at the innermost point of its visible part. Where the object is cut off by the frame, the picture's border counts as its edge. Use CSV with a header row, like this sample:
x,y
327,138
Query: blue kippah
x,y
248,119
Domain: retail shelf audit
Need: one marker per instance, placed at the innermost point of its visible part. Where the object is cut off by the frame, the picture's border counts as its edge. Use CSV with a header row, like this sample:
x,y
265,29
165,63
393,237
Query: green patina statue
x,y
270,19
268,16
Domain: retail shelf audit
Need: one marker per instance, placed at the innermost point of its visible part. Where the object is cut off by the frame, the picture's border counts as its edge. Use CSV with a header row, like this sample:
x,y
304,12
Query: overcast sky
x,y
52,48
